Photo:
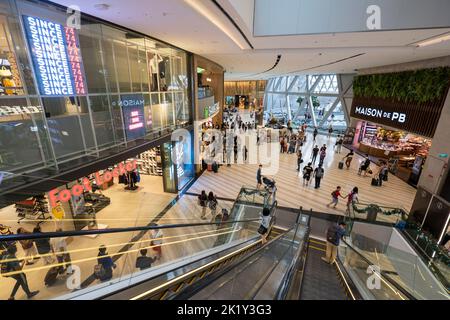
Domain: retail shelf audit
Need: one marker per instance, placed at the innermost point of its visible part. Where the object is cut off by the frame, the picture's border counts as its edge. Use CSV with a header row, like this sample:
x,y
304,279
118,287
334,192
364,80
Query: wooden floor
x,y
291,193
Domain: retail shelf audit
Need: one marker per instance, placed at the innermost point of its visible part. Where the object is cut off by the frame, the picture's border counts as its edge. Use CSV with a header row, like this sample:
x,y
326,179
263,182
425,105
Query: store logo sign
x,y
380,114
77,190
19,110
133,115
56,57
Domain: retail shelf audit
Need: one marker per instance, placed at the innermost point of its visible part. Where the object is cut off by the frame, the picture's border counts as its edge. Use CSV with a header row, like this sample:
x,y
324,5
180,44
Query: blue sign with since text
x,y
48,45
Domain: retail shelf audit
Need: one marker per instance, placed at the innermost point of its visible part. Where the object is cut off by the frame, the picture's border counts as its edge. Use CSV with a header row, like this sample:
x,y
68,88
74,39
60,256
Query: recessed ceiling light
x,y
101,6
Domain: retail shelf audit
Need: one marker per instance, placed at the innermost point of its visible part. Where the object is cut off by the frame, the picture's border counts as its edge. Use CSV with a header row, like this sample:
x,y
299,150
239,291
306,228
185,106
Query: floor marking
x,y
318,249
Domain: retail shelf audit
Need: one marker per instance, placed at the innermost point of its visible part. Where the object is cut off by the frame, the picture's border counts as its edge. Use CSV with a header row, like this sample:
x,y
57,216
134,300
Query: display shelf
x,y
150,162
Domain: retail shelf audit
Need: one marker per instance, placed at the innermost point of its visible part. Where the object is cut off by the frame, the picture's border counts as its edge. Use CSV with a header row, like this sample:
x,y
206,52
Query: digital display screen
x,y
133,115
56,57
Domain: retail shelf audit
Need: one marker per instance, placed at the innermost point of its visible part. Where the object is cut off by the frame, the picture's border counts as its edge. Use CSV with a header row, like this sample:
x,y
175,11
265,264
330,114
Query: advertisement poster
x,y
133,115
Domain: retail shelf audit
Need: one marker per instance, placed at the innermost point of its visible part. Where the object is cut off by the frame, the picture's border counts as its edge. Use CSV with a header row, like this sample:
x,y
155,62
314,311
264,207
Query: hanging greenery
x,y
420,86
375,208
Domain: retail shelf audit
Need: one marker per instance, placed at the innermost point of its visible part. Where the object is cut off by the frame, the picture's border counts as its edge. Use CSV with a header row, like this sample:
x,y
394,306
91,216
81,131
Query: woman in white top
x,y
265,224
156,236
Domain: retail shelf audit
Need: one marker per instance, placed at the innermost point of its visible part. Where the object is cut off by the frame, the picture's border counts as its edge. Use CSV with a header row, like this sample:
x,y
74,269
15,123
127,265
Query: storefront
x,y
395,116
405,152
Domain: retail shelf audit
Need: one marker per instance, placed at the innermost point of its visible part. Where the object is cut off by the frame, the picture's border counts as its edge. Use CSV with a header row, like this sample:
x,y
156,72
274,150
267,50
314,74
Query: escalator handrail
x,y
204,267
32,236
382,273
178,267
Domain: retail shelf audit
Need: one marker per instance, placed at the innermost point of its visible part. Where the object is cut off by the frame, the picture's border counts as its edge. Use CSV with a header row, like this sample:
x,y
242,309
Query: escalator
x,y
322,281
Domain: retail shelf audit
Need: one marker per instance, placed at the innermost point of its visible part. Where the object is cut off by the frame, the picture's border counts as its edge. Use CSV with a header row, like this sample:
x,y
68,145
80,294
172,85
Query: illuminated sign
x,y
380,114
77,190
56,57
18,110
133,115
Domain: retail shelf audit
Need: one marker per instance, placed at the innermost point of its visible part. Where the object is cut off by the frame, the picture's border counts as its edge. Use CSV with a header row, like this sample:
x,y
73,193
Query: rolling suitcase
x,y
50,277
210,168
341,165
215,167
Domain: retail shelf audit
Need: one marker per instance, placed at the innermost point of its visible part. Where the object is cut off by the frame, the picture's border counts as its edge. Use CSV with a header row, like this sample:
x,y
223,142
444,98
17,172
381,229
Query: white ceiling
x,y
177,23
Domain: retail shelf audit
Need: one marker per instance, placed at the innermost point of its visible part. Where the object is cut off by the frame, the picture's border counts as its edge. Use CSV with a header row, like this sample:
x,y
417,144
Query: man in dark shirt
x,y
259,177
143,262
15,267
334,236
315,152
318,174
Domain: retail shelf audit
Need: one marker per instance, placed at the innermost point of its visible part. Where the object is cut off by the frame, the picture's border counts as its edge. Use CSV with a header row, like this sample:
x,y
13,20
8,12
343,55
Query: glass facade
x,y
316,100
68,93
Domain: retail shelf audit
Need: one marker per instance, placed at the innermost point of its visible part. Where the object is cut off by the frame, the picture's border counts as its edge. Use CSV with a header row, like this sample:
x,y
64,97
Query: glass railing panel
x,y
79,254
367,277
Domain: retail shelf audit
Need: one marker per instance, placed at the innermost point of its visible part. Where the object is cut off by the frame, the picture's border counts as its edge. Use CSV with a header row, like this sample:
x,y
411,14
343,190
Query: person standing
x,y
282,143
265,225
44,247
348,159
334,236
335,197
382,172
107,264
307,171
299,159
59,246
318,175
330,131
28,247
203,202
315,133
13,265
315,152
364,166
143,262
339,144
352,198
259,177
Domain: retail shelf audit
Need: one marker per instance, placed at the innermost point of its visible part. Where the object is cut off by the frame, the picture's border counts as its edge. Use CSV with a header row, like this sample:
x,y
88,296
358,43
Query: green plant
x,y
315,101
419,86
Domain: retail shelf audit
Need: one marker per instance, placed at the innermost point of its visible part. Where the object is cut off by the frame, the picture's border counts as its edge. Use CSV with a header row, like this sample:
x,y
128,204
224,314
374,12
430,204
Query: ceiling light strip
x,y
434,40
206,12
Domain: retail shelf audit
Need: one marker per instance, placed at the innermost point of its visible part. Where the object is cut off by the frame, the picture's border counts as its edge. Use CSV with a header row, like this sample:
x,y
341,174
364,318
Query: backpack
x,y
332,235
319,173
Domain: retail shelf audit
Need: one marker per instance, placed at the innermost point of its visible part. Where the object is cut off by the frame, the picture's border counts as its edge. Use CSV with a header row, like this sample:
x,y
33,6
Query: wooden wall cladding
x,y
421,118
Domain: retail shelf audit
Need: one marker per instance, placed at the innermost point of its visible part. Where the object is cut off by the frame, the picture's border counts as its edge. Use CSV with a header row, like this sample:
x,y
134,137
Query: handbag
x,y
262,229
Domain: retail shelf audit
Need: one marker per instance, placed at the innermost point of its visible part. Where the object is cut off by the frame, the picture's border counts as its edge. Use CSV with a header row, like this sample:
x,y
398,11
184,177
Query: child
x,y
335,197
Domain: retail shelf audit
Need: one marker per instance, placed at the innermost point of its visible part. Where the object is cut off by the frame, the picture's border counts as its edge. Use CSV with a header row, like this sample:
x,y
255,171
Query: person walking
x,y
364,166
335,197
334,236
315,133
315,152
59,246
105,264
203,202
28,247
212,204
259,177
307,172
323,154
44,247
13,265
348,159
382,172
299,159
352,198
318,175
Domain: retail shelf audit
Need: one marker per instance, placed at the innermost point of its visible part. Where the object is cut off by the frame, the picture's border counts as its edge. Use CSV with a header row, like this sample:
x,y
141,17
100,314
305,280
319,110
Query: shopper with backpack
x,y
44,247
318,175
335,197
14,266
334,236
